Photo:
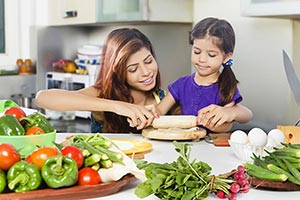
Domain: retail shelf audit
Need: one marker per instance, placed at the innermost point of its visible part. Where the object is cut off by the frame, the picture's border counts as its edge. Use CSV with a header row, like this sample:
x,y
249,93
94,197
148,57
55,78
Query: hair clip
x,y
228,63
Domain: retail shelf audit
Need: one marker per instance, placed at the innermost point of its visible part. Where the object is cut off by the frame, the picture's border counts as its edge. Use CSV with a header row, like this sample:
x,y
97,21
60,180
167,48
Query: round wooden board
x,y
129,147
274,185
173,134
74,193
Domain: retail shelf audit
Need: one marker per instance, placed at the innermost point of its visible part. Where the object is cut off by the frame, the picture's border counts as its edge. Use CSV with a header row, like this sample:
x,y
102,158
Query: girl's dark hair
x,y
225,35
112,84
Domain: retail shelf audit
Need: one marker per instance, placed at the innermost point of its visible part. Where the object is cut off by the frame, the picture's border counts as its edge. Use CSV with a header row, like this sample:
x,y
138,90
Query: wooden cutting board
x,y
173,134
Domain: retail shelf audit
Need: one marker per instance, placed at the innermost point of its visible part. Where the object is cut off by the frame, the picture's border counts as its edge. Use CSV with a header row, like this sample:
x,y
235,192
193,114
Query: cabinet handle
x,y
70,13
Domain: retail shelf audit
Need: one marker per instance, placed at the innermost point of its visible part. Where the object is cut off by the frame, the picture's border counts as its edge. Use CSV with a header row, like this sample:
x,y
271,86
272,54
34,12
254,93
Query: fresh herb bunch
x,y
183,179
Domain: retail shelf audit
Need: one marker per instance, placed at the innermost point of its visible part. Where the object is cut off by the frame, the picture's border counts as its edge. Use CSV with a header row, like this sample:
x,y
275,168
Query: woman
x,y
128,81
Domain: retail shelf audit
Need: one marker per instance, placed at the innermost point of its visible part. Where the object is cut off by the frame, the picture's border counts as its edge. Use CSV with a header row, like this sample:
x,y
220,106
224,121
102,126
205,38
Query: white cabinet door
x,y
272,8
121,10
145,10
64,12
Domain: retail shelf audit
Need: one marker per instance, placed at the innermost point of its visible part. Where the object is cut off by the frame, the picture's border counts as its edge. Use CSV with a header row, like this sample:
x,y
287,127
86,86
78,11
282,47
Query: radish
x,y
235,188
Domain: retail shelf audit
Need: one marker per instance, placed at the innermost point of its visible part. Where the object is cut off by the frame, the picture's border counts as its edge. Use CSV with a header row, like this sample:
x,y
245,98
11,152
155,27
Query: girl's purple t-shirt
x,y
192,97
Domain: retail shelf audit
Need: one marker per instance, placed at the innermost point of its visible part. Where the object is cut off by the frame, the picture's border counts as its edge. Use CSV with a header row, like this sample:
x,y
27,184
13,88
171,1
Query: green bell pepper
x,y
60,171
22,177
7,103
10,126
2,181
36,119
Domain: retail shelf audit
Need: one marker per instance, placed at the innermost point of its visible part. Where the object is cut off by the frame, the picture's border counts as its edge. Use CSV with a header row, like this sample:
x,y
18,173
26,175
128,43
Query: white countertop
x,y
221,159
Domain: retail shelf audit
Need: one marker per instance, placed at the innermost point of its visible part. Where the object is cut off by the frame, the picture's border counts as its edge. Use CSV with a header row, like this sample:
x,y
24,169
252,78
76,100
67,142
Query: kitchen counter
x,y
221,159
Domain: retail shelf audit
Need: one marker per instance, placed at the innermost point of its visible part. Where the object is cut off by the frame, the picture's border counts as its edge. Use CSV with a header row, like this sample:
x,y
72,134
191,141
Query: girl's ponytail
x,y
227,85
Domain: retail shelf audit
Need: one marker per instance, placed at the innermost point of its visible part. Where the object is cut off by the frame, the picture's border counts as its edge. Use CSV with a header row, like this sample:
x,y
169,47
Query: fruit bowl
x,y
245,151
27,143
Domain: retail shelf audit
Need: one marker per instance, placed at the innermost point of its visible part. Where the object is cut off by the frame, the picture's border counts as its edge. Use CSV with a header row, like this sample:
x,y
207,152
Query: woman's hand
x,y
138,116
213,116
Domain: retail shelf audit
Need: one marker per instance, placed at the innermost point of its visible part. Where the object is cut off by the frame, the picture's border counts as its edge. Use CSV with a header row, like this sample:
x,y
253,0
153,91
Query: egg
x,y
257,137
239,136
275,137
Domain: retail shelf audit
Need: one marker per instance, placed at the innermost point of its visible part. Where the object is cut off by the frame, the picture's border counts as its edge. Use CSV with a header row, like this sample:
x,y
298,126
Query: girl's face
x,y
207,58
141,70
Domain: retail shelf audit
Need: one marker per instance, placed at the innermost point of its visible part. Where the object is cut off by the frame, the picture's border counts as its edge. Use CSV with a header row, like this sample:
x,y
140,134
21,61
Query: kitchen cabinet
x,y
271,8
76,12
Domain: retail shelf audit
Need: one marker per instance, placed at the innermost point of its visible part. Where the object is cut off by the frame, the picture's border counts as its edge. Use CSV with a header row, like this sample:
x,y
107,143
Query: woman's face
x,y
141,70
207,57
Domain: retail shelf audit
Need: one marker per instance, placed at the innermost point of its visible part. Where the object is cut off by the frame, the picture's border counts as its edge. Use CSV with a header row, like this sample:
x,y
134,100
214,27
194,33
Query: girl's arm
x,y
87,100
165,104
242,113
220,119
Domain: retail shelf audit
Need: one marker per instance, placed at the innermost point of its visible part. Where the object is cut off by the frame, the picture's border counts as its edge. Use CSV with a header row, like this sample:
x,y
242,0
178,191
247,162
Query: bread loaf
x,y
175,121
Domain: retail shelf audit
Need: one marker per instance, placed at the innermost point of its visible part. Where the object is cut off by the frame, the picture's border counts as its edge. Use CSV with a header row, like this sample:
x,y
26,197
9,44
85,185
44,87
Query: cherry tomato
x,y
34,130
88,176
8,156
75,153
17,112
41,154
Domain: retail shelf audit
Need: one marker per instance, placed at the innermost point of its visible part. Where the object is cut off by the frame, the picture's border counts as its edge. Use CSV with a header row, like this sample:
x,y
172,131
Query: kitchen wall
x,y
258,62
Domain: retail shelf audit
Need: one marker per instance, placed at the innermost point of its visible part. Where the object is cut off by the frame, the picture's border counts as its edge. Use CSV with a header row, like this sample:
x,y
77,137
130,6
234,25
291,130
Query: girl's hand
x,y
213,116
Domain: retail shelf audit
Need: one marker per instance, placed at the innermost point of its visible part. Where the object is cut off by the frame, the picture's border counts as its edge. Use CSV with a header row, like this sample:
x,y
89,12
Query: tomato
x,y
75,153
16,111
28,159
88,176
34,130
41,154
8,156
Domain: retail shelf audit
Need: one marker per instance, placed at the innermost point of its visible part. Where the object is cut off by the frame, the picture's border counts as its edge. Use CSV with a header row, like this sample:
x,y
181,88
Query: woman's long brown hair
x,y
225,35
112,81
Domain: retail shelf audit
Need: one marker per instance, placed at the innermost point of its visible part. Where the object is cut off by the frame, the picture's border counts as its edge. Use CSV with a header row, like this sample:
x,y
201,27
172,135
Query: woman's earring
x,y
228,63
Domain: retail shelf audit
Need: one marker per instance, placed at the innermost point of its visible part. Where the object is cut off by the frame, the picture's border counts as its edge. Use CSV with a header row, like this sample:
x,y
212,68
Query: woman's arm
x,y
87,100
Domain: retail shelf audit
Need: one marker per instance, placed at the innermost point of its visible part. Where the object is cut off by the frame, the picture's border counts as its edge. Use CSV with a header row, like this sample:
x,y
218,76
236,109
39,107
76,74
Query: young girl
x,y
210,93
129,80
